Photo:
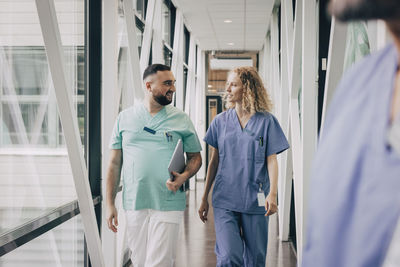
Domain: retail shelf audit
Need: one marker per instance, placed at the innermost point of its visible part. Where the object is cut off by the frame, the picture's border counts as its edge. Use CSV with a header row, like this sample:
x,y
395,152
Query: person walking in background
x,y
244,142
355,185
142,143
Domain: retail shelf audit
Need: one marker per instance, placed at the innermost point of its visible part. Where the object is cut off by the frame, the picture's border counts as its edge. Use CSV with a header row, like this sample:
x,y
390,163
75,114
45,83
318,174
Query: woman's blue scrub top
x,y
242,168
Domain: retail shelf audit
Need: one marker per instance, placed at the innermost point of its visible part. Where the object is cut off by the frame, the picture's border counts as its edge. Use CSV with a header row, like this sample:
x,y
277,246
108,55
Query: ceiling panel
x,y
205,18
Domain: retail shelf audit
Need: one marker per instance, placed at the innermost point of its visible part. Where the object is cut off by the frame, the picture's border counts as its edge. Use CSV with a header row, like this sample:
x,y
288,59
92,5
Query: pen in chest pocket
x,y
261,141
168,136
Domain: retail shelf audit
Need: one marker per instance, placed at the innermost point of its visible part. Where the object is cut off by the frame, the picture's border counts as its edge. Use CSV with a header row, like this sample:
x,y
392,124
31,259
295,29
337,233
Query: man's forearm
x,y
113,179
193,165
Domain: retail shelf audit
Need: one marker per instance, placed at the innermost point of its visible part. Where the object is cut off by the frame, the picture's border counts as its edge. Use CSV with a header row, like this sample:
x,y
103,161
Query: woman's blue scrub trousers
x,y
241,238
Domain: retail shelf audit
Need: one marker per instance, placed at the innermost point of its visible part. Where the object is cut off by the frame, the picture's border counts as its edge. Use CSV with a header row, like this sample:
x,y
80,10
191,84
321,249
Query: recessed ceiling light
x,y
209,86
230,44
228,21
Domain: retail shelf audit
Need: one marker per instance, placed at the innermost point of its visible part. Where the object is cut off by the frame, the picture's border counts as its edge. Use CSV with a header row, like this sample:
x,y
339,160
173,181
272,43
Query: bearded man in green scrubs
x,y
142,144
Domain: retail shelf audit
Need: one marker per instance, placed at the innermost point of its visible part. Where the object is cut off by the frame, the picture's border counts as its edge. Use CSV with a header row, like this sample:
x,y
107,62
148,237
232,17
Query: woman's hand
x,y
203,210
271,205
112,218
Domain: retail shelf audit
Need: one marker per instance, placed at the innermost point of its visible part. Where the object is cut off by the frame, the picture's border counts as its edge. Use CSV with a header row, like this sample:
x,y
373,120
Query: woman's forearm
x,y
211,172
272,165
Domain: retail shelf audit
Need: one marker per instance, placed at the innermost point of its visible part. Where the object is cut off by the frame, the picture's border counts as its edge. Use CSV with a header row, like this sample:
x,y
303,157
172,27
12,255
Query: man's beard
x,y
162,100
365,9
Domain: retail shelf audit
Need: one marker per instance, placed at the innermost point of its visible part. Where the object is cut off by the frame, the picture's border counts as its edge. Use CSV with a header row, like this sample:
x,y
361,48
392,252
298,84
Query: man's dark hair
x,y
152,69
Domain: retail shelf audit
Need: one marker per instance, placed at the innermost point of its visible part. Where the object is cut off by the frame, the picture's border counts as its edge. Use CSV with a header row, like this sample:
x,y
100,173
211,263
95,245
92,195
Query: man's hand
x,y
179,180
203,210
112,218
271,204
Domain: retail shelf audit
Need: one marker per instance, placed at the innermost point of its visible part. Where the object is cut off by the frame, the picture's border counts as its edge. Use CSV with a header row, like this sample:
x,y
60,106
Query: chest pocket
x,y
170,138
256,146
260,150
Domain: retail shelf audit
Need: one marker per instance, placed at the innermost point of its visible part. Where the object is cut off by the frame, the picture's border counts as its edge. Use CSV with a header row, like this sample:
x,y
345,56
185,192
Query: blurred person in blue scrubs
x,y
355,185
244,142
142,144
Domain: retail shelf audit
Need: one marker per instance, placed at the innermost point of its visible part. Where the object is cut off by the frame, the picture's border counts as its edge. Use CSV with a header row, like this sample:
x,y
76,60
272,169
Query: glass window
x,y
357,45
125,78
61,246
167,56
35,170
29,71
168,22
141,8
195,59
186,44
27,97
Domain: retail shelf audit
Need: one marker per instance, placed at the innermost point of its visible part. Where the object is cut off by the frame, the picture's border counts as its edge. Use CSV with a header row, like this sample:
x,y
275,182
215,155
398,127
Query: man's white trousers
x,y
153,237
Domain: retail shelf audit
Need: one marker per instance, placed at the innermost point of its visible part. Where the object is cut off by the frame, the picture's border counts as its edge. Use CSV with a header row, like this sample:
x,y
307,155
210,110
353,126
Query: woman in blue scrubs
x,y
244,142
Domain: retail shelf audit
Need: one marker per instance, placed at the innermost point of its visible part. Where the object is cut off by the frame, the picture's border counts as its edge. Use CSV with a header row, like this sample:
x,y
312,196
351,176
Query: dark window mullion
x,y
93,56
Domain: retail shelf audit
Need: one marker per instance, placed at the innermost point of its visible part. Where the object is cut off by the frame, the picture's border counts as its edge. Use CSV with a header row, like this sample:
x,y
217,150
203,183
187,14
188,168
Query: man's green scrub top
x,y
147,145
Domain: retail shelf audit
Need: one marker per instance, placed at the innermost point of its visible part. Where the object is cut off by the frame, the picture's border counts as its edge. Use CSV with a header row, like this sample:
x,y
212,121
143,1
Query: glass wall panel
x,y
125,79
35,172
357,45
60,247
167,56
186,44
141,7
166,23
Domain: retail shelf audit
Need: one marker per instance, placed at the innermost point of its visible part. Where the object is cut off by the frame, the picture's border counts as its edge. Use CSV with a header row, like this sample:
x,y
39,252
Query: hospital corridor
x,y
199,133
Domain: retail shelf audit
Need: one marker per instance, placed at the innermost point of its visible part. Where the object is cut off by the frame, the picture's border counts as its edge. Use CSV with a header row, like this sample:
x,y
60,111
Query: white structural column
x,y
157,43
110,104
392,258
309,106
200,114
133,44
275,69
295,135
287,30
175,47
177,59
55,56
147,35
261,59
267,65
265,54
337,48
191,76
285,175
383,35
190,103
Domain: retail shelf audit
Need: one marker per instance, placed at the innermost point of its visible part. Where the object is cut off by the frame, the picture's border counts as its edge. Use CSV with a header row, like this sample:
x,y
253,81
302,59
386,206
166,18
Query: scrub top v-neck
x,y
242,169
147,144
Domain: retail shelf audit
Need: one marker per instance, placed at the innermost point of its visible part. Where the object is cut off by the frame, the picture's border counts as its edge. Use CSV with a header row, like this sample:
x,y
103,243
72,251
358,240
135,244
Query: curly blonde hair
x,y
254,97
